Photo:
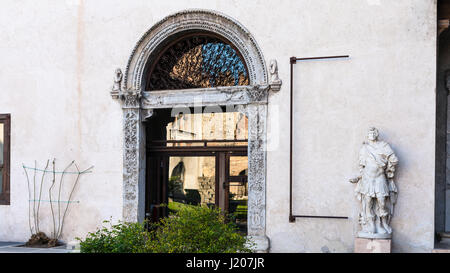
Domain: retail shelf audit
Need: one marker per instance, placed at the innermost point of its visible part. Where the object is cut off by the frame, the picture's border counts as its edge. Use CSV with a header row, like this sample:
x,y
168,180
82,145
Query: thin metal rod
x,y
291,218
319,58
318,216
292,61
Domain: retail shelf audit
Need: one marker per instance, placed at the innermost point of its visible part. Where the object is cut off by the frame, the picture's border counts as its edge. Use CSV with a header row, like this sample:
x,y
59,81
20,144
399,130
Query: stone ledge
x,y
363,245
438,250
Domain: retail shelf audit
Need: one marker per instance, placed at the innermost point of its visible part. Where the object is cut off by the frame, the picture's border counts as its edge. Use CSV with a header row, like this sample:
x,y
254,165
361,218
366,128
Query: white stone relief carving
x,y
275,82
131,164
226,95
258,93
257,168
375,187
117,87
130,100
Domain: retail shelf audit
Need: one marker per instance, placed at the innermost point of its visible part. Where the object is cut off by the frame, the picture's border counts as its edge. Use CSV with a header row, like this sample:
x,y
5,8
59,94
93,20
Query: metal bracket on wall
x,y
293,60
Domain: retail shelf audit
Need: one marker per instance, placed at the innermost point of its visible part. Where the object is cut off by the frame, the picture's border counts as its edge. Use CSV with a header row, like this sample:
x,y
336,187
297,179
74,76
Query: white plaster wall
x,y
388,82
55,80
58,61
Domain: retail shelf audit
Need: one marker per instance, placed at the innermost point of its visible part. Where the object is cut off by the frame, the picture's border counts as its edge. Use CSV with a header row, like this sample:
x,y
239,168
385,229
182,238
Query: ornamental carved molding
x,y
224,95
131,163
199,20
257,114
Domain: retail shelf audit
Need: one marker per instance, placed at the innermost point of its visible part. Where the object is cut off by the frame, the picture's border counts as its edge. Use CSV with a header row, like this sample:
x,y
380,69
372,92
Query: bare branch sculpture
x,y
58,221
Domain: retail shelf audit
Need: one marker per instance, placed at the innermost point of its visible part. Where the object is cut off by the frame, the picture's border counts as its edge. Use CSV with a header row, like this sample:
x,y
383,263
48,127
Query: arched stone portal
x,y
138,105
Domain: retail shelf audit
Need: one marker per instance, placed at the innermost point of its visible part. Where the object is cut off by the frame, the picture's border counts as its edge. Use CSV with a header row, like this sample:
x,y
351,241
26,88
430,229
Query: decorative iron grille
x,y
199,61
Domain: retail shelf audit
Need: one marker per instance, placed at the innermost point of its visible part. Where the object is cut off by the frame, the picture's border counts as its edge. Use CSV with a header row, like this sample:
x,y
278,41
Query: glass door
x,y
213,179
236,189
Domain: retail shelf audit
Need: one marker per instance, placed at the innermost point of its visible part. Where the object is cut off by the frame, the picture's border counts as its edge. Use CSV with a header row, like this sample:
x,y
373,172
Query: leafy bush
x,y
118,238
195,229
192,229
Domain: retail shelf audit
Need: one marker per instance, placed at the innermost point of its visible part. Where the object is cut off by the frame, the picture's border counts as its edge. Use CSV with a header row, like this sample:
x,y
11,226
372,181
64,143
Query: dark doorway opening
x,y
442,163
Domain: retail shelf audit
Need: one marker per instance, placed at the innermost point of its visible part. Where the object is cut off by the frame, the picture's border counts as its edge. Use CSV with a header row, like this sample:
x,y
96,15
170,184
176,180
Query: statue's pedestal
x,y
364,245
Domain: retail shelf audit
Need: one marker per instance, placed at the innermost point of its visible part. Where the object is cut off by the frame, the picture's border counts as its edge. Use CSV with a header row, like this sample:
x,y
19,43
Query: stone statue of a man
x,y
375,187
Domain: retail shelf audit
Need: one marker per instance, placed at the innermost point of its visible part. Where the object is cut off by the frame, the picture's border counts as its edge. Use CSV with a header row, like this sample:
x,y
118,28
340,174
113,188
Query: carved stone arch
x,y
195,20
138,105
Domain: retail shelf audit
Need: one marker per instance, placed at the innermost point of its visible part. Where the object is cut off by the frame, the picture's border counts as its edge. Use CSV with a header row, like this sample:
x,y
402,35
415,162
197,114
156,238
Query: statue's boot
x,y
371,226
385,224
380,228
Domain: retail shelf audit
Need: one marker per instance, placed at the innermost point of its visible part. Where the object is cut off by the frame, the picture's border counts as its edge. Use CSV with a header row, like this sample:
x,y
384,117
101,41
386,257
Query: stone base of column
x,y
261,243
364,245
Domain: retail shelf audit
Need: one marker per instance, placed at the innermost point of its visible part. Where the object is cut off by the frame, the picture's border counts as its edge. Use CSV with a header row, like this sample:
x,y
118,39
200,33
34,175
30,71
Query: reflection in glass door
x,y
218,179
192,181
237,190
197,158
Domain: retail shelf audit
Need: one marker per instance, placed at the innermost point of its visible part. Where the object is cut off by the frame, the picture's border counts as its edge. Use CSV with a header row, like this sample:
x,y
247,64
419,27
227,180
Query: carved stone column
x,y
257,115
133,161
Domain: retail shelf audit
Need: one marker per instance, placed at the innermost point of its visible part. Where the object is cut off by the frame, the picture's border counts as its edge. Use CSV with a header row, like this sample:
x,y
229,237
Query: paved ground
x,y
14,247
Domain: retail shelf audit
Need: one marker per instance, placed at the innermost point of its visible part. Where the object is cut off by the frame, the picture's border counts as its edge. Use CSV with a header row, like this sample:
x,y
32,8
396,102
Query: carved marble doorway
x,y
213,61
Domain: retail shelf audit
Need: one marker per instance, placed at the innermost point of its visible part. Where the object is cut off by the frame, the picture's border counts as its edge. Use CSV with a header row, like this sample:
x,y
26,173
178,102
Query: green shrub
x,y
195,229
192,229
118,238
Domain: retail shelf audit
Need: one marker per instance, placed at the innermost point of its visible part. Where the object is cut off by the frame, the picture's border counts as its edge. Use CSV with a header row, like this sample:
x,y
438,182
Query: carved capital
x,y
131,99
258,93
